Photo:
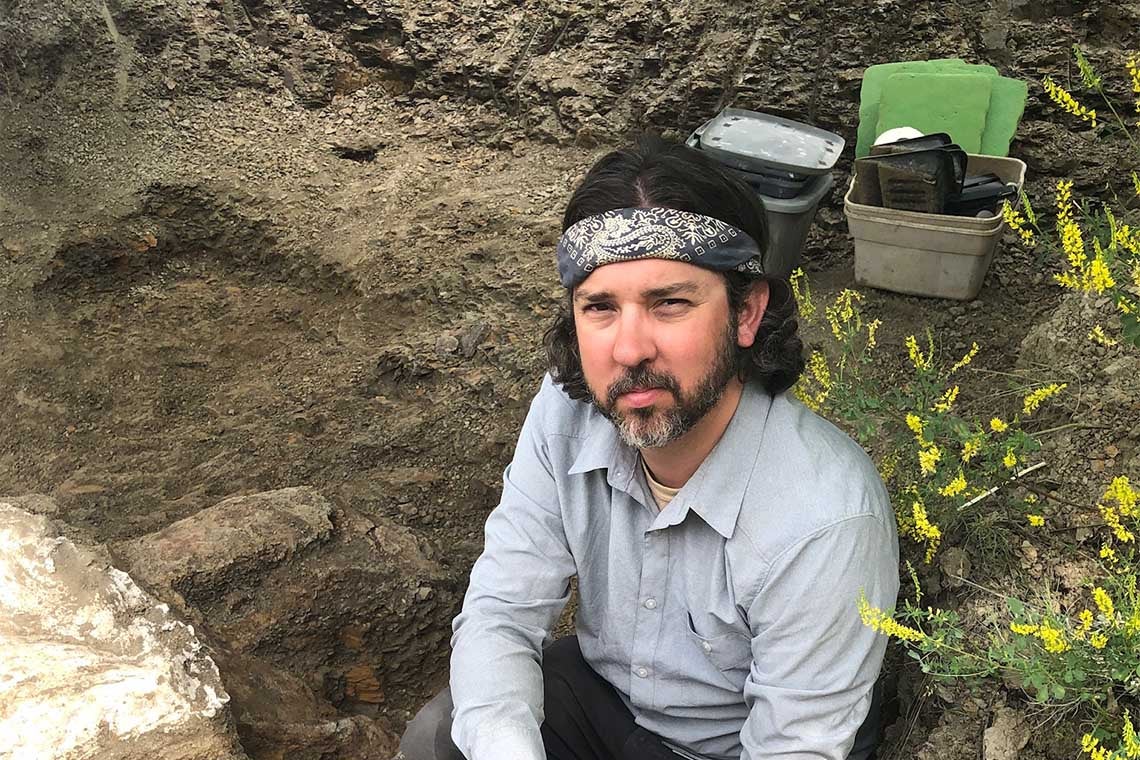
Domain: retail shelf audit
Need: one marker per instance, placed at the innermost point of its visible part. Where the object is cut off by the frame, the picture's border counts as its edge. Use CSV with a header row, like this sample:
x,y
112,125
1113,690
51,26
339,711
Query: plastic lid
x,y
757,142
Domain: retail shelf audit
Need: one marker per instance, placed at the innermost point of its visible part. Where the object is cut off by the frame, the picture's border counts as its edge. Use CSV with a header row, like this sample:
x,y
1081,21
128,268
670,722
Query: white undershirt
x,y
662,494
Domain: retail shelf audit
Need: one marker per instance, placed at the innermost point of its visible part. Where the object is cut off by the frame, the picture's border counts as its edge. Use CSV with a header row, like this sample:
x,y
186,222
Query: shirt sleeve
x,y
814,662
519,586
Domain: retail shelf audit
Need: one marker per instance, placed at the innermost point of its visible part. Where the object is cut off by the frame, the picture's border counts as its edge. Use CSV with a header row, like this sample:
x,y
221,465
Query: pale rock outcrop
x,y
91,666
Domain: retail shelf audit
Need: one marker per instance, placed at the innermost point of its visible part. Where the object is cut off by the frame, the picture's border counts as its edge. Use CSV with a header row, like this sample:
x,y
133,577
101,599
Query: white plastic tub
x,y
929,254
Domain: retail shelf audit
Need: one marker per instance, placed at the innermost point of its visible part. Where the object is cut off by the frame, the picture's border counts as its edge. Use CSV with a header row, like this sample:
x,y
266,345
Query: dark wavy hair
x,y
657,172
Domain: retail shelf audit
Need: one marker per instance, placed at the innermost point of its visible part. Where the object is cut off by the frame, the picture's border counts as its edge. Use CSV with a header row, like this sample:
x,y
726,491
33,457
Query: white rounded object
x,y
896,134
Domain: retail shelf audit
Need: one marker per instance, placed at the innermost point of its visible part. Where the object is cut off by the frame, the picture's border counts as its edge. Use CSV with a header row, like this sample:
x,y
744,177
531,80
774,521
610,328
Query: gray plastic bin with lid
x,y
759,142
789,220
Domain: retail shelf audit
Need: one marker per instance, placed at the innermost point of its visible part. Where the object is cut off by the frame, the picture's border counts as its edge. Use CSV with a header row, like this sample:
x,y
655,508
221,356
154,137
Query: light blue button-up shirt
x,y
727,621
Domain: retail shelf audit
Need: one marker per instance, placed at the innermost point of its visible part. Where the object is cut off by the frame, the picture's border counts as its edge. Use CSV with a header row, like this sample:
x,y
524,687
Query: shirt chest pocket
x,y
727,646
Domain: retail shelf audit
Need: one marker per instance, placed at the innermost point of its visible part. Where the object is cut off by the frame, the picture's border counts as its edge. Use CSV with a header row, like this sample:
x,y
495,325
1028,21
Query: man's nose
x,y
633,344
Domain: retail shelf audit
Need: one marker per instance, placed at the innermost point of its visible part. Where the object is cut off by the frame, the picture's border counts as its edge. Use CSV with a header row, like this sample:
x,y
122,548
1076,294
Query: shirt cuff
x,y
507,741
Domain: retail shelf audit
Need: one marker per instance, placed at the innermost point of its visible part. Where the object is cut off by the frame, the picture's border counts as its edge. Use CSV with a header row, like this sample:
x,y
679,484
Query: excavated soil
x,y
253,244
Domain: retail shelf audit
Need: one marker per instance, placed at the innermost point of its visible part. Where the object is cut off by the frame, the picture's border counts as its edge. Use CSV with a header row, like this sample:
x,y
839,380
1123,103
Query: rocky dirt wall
x,y
254,244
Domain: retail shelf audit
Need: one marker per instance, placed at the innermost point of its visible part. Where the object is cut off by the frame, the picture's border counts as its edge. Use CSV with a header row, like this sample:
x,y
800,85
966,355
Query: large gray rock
x,y
93,667
324,620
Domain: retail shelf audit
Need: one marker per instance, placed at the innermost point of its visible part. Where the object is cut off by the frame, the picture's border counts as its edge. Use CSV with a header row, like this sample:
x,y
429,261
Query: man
x,y
721,533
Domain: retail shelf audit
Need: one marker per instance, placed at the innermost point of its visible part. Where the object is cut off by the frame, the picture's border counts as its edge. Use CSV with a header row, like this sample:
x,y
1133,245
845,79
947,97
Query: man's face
x,y
658,345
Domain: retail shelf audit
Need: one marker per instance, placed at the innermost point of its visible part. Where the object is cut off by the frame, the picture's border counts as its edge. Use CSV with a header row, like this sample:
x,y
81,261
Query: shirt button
x,y
706,646
650,603
642,672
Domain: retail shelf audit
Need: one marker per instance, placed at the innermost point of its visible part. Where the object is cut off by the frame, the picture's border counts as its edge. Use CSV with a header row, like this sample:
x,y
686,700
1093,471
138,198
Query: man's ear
x,y
755,304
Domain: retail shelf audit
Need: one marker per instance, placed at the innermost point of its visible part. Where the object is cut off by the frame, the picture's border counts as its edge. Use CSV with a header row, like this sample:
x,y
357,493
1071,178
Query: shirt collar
x,y
603,448
716,490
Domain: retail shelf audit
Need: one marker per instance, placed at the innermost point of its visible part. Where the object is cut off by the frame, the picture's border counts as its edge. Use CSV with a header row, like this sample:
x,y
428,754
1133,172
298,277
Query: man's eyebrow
x,y
685,287
595,297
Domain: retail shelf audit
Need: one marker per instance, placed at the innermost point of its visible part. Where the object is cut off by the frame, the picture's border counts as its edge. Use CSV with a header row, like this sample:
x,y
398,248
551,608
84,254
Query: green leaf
x,y
1130,328
1058,691
1016,608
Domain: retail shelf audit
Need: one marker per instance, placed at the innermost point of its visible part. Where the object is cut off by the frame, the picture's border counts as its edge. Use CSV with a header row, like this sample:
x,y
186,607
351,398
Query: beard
x,y
651,427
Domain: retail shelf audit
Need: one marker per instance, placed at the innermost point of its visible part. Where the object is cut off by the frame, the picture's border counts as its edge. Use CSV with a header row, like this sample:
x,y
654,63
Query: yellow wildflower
x,y
1097,335
1127,238
1023,629
971,447
1132,627
883,623
955,486
1087,276
998,426
1091,745
916,425
1098,277
965,360
1064,201
946,403
1108,553
817,366
872,326
1088,74
841,314
802,292
1136,183
1016,222
1098,641
925,530
1104,603
928,459
1112,520
1126,497
805,397
1129,744
1053,639
921,362
888,466
1033,400
1036,520
1086,618
1067,102
820,375
1010,459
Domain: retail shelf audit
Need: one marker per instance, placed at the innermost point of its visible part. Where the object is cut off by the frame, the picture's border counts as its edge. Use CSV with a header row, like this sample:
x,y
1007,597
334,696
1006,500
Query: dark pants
x,y
585,719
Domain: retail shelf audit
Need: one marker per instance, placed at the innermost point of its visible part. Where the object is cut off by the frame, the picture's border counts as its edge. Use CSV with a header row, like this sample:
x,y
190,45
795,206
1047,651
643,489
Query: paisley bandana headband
x,y
626,234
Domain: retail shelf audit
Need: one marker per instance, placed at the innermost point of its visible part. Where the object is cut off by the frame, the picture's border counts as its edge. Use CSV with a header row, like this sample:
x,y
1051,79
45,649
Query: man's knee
x,y
564,671
428,735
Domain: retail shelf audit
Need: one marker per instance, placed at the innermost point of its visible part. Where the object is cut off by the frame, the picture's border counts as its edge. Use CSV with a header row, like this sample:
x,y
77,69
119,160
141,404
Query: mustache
x,y
641,378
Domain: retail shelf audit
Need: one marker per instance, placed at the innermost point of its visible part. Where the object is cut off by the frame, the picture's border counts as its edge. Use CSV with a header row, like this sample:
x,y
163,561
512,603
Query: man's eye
x,y
674,304
596,308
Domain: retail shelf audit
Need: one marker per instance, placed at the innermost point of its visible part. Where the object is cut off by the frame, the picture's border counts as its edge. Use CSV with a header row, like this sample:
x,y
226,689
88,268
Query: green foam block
x,y
876,76
956,103
1007,104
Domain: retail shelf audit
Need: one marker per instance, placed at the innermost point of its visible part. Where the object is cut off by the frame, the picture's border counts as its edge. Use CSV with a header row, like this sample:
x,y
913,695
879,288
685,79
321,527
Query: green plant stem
x,y
1042,492
1069,426
1120,121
